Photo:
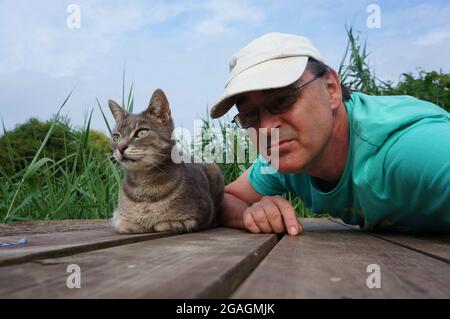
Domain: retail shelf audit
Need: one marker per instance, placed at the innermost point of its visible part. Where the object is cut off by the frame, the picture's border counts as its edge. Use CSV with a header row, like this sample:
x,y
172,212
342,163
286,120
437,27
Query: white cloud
x,y
411,37
224,14
434,37
34,35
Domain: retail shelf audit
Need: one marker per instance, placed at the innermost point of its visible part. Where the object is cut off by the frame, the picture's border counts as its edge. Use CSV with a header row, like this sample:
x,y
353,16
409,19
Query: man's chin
x,y
286,169
288,165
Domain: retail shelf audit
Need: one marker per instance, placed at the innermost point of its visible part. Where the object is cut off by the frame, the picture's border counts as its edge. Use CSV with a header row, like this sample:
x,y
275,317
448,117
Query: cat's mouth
x,y
128,159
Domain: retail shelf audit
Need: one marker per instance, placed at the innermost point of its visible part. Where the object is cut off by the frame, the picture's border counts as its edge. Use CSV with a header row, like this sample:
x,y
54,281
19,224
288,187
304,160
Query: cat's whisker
x,y
154,165
163,164
152,153
155,153
135,152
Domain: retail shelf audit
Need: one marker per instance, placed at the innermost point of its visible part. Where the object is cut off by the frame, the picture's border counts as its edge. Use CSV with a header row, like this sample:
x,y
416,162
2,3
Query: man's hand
x,y
271,214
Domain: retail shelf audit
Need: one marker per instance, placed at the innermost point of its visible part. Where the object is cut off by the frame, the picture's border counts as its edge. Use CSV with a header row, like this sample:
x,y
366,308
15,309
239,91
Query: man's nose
x,y
122,148
267,120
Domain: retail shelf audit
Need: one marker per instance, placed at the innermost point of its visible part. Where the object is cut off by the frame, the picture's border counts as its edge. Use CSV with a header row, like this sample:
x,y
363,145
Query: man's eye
x,y
141,133
282,103
116,138
282,99
252,114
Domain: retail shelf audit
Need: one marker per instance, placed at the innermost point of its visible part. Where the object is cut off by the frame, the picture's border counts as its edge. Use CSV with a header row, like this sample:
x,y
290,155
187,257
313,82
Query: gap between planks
x,y
61,244
209,264
434,246
330,261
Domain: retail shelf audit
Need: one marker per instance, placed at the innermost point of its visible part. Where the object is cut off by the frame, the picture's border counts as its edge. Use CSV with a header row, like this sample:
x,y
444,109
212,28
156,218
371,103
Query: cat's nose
x,y
122,148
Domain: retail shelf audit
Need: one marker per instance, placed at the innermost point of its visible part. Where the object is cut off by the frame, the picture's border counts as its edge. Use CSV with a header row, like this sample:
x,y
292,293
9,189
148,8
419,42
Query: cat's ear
x,y
118,112
159,106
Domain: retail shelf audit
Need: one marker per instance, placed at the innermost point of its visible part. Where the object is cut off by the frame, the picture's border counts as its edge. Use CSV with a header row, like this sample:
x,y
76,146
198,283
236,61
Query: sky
x,y
49,48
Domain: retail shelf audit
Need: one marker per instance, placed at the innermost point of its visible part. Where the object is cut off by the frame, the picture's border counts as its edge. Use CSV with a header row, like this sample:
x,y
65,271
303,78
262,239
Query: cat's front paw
x,y
187,225
124,226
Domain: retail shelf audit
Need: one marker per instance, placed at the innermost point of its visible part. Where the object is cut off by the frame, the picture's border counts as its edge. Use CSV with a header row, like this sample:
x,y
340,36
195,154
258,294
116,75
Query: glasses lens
x,y
246,120
238,121
282,103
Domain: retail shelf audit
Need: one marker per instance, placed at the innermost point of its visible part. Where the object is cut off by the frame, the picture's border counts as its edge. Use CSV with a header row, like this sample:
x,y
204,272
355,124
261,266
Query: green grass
x,y
77,186
82,185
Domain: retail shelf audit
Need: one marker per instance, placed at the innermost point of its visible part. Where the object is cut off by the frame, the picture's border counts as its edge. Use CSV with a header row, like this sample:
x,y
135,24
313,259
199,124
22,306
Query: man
x,y
379,162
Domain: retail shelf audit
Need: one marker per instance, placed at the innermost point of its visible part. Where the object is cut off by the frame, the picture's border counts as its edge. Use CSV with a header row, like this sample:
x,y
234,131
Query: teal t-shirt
x,y
397,176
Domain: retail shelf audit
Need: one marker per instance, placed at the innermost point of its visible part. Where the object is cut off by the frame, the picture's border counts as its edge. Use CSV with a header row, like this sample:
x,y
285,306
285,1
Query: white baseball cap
x,y
271,61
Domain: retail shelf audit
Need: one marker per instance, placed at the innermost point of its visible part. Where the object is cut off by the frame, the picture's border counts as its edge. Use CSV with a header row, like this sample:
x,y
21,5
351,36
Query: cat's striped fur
x,y
158,194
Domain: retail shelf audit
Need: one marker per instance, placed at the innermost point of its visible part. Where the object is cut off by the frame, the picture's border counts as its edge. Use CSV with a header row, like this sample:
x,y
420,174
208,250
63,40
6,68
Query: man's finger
x,y
260,218
249,223
273,215
290,219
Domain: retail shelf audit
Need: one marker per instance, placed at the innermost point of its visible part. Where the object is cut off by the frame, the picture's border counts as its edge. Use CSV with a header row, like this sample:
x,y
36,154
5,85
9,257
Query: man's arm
x,y
417,169
243,207
239,195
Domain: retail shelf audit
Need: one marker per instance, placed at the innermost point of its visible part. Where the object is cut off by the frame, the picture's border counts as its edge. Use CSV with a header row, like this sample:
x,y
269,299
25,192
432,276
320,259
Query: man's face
x,y
303,130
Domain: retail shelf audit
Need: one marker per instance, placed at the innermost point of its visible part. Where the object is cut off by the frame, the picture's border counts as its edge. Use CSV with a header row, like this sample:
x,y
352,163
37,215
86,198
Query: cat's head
x,y
141,141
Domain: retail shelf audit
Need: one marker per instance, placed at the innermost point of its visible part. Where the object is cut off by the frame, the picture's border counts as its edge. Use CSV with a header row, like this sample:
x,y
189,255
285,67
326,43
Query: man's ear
x,y
159,106
333,85
118,112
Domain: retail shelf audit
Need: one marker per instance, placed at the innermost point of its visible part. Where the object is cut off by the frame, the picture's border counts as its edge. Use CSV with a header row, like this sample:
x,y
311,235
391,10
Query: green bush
x,y
430,86
357,75
99,143
22,143
49,170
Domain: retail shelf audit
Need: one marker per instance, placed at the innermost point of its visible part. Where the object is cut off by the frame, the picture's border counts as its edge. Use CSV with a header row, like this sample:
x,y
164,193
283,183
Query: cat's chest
x,y
144,207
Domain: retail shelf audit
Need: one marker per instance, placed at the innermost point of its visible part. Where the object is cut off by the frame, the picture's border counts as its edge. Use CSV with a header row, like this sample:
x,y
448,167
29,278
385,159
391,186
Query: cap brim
x,y
267,75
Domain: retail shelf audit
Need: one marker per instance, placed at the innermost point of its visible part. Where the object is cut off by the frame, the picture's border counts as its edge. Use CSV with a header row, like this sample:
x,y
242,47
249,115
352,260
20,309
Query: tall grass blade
x,y
32,166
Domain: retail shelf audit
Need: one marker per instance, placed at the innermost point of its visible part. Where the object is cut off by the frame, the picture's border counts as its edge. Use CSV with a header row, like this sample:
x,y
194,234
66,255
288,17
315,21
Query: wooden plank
x,y
52,226
205,264
67,243
333,264
436,246
324,225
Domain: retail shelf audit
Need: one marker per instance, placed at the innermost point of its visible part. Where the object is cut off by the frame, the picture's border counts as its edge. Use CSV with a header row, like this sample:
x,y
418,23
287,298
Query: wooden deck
x,y
329,260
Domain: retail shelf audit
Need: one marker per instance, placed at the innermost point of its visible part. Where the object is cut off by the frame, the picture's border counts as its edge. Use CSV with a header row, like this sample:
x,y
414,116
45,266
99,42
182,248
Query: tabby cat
x,y
157,194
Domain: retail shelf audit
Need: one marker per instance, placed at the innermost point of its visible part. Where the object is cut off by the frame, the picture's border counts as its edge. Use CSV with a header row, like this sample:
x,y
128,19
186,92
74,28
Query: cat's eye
x,y
116,138
141,133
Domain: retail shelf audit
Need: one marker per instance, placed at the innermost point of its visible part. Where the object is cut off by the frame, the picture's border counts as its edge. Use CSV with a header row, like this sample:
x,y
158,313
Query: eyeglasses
x,y
278,102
